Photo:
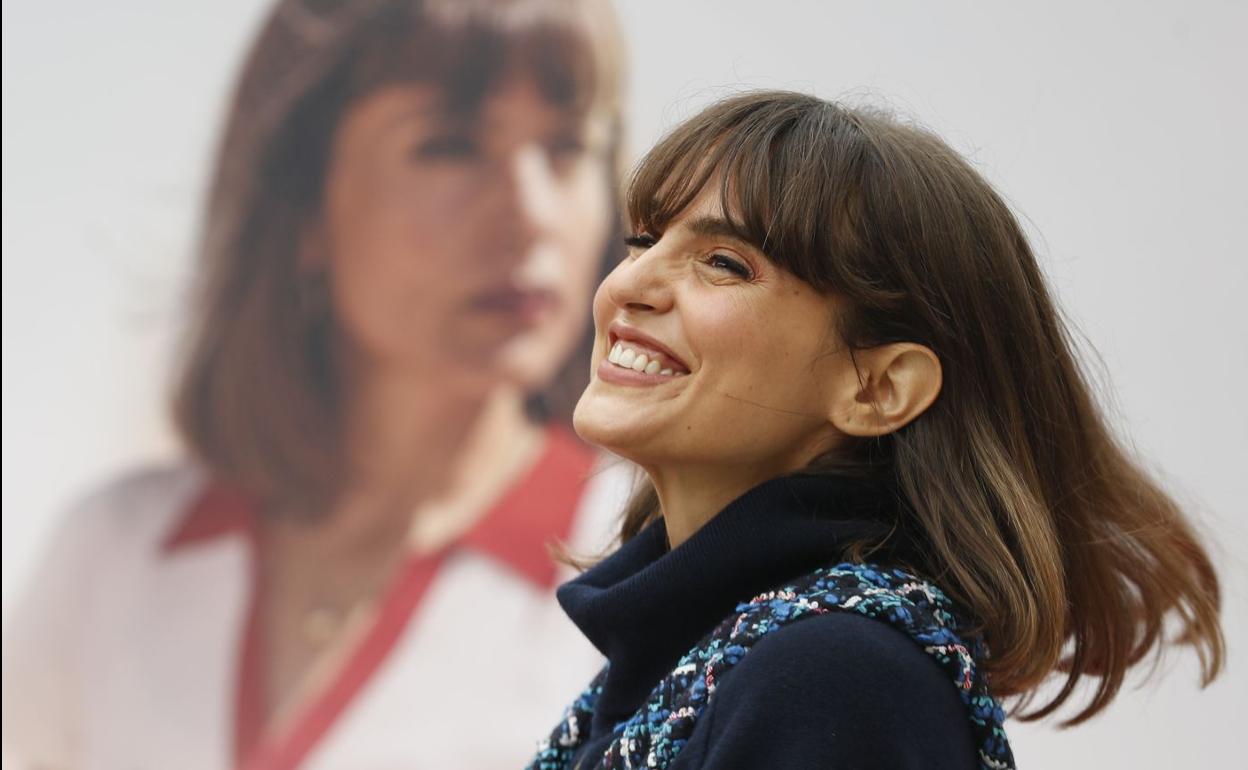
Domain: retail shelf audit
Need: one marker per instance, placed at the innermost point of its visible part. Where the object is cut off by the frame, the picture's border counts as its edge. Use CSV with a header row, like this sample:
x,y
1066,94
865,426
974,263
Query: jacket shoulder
x,y
838,689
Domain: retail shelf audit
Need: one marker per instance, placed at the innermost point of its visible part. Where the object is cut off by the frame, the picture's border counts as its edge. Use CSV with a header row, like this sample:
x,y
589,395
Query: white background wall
x,y
1116,128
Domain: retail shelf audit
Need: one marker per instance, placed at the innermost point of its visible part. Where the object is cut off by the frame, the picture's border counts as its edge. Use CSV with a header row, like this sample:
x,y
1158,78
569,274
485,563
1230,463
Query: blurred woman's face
x,y
463,246
706,353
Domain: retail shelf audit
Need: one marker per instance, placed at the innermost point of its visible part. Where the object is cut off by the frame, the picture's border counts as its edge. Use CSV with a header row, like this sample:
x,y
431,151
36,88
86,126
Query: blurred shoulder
x,y
137,506
111,533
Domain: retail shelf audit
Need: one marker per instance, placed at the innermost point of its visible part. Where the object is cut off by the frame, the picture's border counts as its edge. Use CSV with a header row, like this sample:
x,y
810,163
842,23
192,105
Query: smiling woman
x,y
859,531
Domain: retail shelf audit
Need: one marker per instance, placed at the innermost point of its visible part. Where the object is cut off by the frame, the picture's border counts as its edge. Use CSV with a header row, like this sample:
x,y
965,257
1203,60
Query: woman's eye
x,y
639,241
722,262
565,153
566,147
447,147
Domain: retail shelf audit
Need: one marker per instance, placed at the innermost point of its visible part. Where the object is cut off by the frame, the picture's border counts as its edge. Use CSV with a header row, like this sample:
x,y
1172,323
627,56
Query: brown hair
x,y
256,399
1035,518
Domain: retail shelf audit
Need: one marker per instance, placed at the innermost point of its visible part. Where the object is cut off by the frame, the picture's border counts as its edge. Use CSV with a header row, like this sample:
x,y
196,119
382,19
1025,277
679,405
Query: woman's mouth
x,y
638,358
631,362
520,305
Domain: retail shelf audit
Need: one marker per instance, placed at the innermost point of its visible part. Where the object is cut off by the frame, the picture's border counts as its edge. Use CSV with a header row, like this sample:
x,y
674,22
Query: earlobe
x,y
889,386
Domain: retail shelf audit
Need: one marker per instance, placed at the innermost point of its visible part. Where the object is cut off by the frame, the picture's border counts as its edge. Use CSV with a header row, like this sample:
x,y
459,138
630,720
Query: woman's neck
x,y
692,495
411,442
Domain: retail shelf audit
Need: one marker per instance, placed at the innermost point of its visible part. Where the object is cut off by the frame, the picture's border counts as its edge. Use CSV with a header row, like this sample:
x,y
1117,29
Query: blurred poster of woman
x,y
412,203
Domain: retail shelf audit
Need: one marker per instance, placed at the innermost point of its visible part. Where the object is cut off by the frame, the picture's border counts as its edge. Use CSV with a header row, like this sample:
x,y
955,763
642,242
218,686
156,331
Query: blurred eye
x,y
450,146
567,150
722,262
567,146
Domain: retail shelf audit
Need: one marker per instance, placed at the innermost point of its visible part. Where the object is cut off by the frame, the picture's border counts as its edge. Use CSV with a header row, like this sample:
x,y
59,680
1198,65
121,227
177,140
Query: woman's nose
x,y
530,203
642,282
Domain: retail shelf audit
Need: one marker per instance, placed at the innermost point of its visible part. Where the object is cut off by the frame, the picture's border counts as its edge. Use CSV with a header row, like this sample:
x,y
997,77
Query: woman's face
x,y
750,348
463,246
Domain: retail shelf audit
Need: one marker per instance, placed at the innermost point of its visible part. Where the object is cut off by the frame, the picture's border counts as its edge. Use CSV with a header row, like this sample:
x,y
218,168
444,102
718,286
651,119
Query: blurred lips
x,y
521,305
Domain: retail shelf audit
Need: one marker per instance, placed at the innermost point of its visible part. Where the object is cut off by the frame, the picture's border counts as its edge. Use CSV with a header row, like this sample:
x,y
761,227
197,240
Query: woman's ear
x,y
883,388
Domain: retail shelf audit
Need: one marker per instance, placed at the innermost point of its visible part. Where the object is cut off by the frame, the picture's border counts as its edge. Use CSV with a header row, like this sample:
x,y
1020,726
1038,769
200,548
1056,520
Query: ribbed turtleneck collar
x,y
645,606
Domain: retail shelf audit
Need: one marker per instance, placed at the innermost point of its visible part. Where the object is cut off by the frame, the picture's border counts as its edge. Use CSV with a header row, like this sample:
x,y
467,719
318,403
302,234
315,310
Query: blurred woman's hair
x,y
257,399
1012,484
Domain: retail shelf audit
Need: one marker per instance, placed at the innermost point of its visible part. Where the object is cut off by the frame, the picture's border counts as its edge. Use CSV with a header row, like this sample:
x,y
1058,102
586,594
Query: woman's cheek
x,y
718,322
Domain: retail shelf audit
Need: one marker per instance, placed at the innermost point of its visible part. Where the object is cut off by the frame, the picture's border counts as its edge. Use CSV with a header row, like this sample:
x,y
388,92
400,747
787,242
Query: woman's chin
x,y
621,437
529,361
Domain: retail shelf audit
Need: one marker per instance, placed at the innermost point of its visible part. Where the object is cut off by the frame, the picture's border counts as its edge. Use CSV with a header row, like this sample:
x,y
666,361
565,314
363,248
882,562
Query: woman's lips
x,y
628,363
609,372
619,332
521,305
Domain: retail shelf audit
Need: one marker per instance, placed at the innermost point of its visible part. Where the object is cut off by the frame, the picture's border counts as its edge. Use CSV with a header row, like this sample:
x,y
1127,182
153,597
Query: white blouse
x,y
135,645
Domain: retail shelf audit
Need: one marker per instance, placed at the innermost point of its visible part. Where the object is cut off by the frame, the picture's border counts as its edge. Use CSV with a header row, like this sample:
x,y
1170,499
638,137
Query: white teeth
x,y
639,362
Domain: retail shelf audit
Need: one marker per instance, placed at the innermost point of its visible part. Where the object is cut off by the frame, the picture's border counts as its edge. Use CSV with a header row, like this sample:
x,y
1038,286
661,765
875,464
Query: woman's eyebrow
x,y
430,116
715,227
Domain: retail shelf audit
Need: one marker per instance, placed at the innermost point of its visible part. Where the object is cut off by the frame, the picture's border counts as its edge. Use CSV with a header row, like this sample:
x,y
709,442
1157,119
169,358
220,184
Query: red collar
x,y
538,509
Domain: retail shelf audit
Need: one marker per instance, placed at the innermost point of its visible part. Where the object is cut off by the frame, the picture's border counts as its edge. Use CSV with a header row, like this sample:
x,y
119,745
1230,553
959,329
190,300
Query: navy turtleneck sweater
x,y
834,691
